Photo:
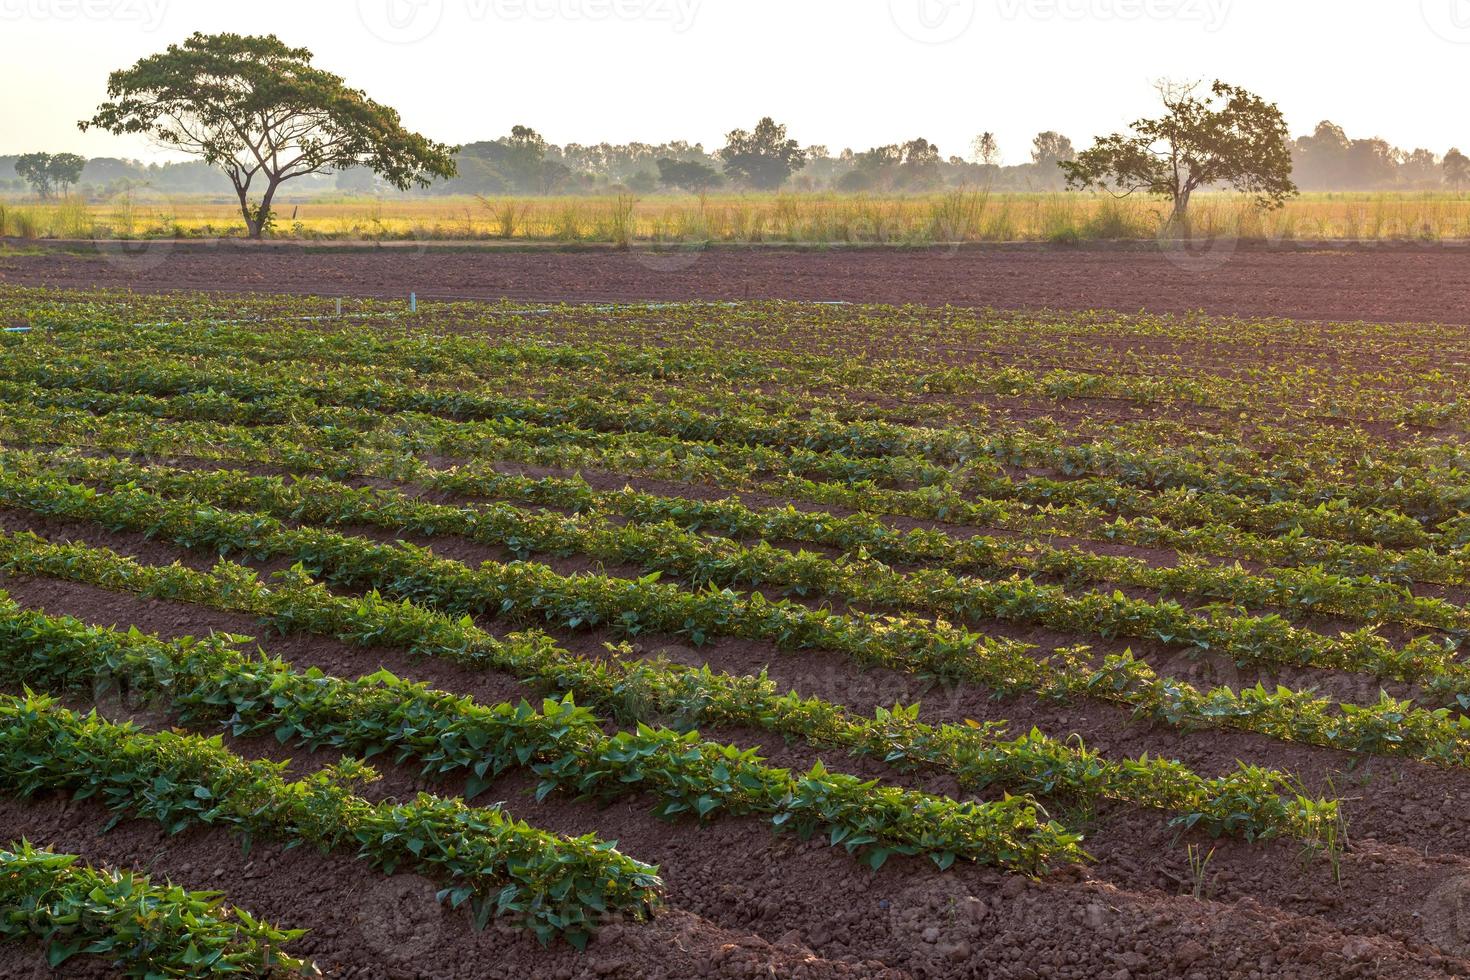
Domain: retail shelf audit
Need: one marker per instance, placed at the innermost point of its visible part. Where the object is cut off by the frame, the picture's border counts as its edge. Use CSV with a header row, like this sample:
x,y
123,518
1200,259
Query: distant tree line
x,y
1329,160
104,176
764,157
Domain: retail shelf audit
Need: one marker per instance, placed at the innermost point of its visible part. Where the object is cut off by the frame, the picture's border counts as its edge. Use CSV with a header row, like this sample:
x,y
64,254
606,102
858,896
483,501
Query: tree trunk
x,y
256,219
252,229
1179,219
264,215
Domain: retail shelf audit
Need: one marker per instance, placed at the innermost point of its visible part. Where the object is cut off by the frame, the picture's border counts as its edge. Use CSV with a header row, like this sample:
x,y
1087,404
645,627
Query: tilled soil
x,y
1331,281
744,901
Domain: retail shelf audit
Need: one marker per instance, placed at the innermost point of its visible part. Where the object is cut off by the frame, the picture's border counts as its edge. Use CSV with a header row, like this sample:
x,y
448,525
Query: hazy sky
x,y
839,72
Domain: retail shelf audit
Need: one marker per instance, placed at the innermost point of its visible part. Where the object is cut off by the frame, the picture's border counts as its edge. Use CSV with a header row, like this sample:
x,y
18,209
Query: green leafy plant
x,y
144,929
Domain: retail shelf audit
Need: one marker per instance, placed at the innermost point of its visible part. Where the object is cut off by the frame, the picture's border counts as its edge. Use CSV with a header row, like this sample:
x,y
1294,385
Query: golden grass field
x,y
961,215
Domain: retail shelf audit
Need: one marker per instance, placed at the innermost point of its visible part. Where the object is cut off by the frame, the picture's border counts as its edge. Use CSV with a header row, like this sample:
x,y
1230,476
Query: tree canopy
x,y
762,158
520,162
913,165
1230,137
260,111
46,172
1050,148
1456,168
985,150
688,175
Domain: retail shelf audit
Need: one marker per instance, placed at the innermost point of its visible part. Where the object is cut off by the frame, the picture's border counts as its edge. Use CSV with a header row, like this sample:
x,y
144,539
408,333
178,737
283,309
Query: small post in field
x,y
339,306
413,302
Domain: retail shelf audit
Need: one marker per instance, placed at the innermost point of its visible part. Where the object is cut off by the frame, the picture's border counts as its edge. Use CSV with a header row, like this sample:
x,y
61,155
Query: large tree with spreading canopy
x,y
261,112
1228,138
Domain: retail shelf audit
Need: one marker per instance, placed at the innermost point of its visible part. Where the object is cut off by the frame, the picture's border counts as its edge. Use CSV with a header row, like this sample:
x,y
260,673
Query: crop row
x,y
211,680
665,548
306,449
890,350
1302,590
552,885
1253,802
1297,589
1112,478
143,929
447,353
926,649
1075,506
1334,462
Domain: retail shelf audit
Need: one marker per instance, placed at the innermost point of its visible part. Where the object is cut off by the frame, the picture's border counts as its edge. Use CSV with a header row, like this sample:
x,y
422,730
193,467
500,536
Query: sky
x,y
838,72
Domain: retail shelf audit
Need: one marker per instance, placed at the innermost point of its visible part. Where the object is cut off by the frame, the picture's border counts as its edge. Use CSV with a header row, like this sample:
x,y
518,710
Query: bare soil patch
x,y
1385,283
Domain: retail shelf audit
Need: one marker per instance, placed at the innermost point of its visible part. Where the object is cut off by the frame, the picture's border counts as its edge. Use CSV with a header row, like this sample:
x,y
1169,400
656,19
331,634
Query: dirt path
x,y
1327,282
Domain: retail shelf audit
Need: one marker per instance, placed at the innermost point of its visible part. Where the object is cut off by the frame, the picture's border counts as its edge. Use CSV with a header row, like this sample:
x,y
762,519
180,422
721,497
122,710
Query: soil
x,y
1313,281
743,900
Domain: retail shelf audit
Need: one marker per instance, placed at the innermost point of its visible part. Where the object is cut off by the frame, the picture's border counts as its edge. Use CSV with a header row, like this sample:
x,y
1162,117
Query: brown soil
x,y
801,908
743,901
1387,283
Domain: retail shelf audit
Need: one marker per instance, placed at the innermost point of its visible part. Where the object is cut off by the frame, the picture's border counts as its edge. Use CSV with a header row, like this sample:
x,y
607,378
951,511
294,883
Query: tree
x,y
1371,163
1321,159
688,175
763,158
35,169
920,167
1456,167
66,170
259,110
985,150
1051,148
643,182
1195,144
872,169
524,159
1419,167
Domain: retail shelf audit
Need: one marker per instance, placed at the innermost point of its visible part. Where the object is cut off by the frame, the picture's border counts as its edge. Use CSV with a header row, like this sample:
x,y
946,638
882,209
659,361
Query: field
x,y
731,638
965,215
1413,282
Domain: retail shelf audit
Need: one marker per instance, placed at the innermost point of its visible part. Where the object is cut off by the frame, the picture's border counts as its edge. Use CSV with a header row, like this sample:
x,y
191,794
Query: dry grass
x,y
962,215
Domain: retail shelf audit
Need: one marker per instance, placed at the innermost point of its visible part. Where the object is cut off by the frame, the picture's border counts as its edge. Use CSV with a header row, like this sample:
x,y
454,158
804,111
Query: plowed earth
x,y
741,900
1384,283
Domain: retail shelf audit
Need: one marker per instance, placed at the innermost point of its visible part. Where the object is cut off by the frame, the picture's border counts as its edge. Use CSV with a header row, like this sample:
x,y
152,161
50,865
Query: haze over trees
x,y
260,111
1230,137
1051,148
49,173
524,162
911,166
519,162
763,158
688,175
1456,168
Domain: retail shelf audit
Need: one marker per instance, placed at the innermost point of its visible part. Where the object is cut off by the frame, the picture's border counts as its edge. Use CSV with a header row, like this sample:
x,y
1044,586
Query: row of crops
x,y
962,523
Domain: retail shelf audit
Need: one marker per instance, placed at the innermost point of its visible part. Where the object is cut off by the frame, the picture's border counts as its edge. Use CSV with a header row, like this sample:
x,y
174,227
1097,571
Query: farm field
x,y
969,214
732,638
1387,284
